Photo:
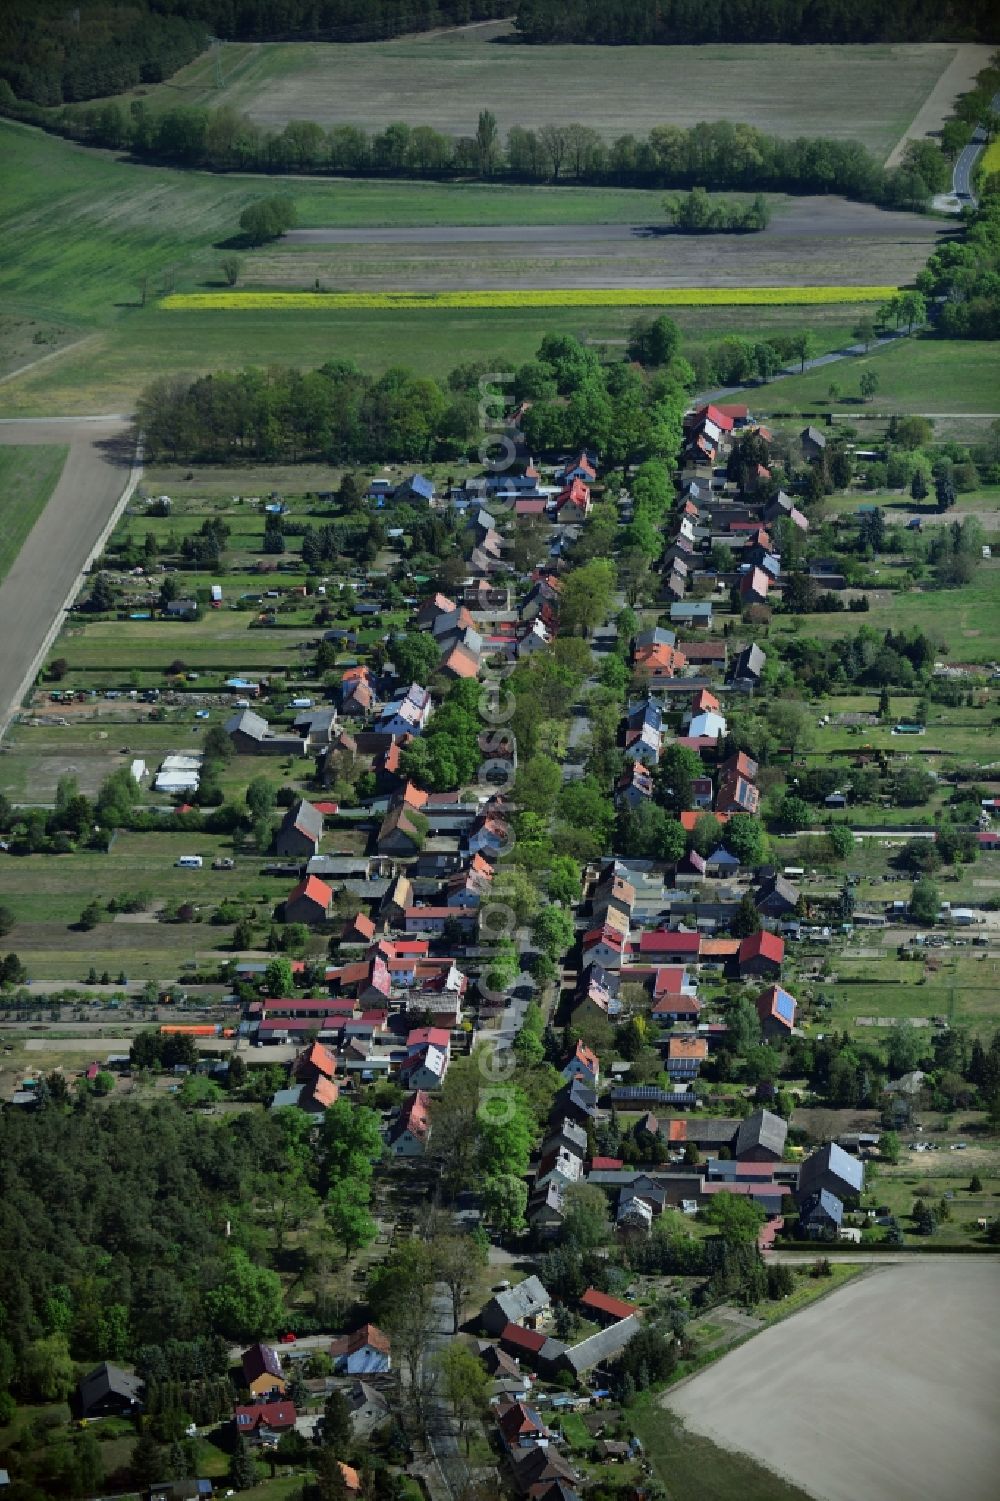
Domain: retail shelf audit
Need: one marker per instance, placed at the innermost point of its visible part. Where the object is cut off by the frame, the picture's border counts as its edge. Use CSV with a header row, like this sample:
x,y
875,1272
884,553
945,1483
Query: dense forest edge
x,y
686,22
51,54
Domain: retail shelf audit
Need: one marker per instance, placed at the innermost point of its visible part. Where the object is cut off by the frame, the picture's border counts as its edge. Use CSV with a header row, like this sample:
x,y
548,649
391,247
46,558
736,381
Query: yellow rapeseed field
x,y
535,298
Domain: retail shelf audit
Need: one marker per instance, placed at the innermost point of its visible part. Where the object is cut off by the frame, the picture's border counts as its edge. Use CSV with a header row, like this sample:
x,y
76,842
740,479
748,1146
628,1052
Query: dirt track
x,y
886,1391
809,241
62,541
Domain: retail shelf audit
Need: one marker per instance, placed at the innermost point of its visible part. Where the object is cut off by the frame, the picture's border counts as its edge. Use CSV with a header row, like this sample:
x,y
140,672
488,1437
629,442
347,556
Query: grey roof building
x,y
761,1137
301,830
607,1344
108,1389
523,1304
833,1169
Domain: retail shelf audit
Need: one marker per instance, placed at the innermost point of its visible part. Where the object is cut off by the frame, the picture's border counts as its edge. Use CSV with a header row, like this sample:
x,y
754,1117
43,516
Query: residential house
x,y
685,1055
693,613
658,662
403,831
527,1304
406,715
582,466
820,1215
438,604
262,1374
583,1063
424,1069
603,945
813,443
539,1469
357,693
410,1131
634,786
753,587
747,670
264,1422
709,726
574,500
365,1352
776,1009
760,954
109,1391
775,896
722,862
737,790
252,736
488,836
301,830
547,1209
416,489
832,1168
310,902
521,1426
761,1138
369,1409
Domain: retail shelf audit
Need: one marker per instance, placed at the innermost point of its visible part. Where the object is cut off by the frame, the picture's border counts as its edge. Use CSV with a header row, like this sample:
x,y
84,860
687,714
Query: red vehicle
x,y
289,1338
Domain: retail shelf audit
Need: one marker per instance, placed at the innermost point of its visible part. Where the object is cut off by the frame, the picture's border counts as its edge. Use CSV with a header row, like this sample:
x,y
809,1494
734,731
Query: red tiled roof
x,y
264,1415
314,890
521,1338
762,945
604,1303
606,1164
668,942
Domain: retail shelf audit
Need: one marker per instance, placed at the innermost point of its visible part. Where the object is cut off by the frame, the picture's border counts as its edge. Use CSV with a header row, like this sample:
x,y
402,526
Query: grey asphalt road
x,y
98,475
966,161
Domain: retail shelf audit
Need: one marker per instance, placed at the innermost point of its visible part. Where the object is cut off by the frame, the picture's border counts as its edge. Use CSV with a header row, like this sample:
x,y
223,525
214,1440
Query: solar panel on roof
x,y
785,1006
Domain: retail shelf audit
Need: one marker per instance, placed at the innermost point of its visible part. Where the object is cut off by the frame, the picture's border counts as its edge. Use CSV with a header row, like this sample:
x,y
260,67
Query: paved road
x,y
96,481
962,176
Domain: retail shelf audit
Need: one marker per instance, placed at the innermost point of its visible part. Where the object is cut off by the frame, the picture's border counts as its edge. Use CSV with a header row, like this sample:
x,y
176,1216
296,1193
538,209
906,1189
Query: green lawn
x,y
28,476
692,1468
966,620
916,375
897,1188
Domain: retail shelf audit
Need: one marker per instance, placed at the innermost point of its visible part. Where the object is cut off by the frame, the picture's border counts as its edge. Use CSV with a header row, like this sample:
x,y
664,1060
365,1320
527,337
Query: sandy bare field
x,y
958,77
821,241
885,1391
61,542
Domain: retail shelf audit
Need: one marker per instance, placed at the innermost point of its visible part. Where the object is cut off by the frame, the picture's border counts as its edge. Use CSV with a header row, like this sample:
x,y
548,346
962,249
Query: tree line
x,y
964,275
346,416
716,154
675,22
51,53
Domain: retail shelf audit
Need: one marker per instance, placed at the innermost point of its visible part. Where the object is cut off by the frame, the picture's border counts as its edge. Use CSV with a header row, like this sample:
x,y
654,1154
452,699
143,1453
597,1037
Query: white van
x,y
190,862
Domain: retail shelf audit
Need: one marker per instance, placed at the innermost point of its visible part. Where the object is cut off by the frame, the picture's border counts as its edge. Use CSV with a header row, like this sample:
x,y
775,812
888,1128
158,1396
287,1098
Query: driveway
x,y
98,477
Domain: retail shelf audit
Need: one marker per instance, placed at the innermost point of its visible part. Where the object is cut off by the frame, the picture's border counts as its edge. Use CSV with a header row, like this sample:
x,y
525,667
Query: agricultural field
x,y
871,94
27,478
875,1393
824,242
169,228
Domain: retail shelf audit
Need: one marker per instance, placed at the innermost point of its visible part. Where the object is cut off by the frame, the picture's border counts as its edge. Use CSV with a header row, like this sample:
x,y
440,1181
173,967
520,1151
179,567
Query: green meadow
x,y
28,476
